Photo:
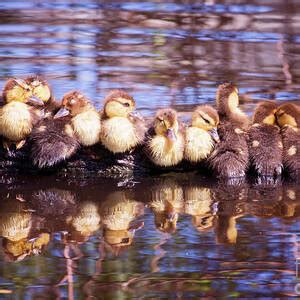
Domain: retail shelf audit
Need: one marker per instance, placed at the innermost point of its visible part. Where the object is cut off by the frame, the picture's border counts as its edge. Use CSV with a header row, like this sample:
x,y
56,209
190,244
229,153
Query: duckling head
x,y
265,113
166,124
227,98
73,103
118,104
17,90
39,87
288,114
205,117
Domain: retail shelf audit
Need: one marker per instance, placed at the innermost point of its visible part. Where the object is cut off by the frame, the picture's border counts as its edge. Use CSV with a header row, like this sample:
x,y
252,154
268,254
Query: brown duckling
x,y
19,114
58,138
201,136
122,127
288,118
230,157
165,139
265,145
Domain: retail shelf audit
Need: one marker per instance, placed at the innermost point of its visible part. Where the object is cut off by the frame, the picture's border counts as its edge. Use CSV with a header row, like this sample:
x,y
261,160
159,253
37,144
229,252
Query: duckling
x,y
288,118
19,114
265,144
202,135
165,139
122,127
230,157
58,138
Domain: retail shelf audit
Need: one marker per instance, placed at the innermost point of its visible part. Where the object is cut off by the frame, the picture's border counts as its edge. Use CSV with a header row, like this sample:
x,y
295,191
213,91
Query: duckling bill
x,y
265,144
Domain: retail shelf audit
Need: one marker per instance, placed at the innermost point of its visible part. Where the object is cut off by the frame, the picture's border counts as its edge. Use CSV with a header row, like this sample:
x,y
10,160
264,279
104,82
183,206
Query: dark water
x,y
175,236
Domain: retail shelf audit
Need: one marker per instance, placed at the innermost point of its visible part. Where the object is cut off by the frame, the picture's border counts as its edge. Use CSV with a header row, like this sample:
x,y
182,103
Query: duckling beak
x,y
171,135
61,113
214,134
135,114
36,101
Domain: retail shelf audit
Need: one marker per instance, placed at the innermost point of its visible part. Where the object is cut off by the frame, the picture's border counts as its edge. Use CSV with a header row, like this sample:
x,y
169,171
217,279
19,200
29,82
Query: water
x,y
93,239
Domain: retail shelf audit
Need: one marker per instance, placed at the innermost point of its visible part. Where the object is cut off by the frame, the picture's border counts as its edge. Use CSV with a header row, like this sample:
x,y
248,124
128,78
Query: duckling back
x,y
52,142
265,145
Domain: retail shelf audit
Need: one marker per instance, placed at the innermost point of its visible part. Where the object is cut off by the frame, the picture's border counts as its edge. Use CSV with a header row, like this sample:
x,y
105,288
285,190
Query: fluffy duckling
x,y
202,135
165,139
230,157
19,114
122,127
166,203
265,145
57,139
288,118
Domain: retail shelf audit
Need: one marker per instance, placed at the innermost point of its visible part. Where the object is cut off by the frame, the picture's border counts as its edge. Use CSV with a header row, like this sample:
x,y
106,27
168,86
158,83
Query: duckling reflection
x,y
166,203
228,213
118,212
84,222
199,204
290,204
17,226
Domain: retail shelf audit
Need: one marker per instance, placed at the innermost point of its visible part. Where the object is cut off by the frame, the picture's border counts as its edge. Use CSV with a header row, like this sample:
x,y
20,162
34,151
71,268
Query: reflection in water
x,y
201,218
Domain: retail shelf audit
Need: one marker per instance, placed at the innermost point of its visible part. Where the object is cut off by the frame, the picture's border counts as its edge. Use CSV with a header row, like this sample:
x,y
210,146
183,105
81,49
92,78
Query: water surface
x,y
174,236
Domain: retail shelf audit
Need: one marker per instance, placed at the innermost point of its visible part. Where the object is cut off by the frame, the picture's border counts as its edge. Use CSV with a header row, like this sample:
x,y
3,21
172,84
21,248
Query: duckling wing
x,y
52,142
265,150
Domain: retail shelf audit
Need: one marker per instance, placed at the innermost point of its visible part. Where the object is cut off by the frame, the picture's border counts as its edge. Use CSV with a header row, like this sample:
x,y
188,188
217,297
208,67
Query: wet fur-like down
x,y
231,156
52,143
265,149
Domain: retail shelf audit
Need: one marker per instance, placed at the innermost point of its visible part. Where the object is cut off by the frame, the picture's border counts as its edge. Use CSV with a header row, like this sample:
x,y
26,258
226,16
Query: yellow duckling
x,y
20,112
288,118
122,127
165,140
201,136
85,120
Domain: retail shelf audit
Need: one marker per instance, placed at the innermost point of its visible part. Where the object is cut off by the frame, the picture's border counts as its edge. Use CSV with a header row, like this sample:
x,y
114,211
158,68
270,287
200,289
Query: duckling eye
x,y
206,121
126,104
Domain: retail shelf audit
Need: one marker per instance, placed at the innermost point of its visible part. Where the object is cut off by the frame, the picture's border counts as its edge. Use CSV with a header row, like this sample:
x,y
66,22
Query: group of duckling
x,y
223,139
